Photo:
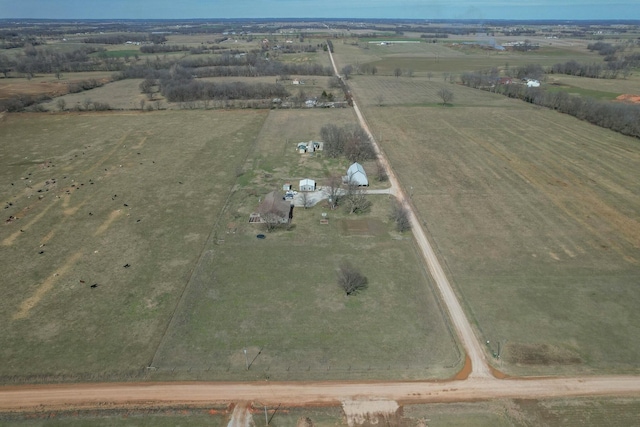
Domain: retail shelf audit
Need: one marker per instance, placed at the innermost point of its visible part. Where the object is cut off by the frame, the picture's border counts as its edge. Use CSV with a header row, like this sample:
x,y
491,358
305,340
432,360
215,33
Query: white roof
x,y
357,175
307,181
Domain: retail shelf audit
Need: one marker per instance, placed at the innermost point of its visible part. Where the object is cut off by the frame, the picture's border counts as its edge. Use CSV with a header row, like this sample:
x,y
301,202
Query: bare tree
x,y
355,200
61,104
305,199
271,220
397,72
380,100
86,103
429,75
381,172
347,70
350,279
142,103
446,95
334,190
400,216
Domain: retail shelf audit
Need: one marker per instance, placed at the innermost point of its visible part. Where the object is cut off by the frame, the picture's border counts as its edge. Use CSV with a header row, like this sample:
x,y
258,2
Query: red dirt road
x,y
68,396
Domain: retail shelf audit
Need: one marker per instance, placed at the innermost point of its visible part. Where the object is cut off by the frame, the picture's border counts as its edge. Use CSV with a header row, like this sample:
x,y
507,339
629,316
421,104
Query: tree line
x,y
619,117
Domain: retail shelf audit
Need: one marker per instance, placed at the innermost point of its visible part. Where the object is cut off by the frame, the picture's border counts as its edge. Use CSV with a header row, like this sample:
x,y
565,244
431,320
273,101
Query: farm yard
x,y
278,297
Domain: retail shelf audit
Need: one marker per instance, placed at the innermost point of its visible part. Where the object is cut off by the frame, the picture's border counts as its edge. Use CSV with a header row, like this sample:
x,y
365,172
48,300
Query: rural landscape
x,y
319,222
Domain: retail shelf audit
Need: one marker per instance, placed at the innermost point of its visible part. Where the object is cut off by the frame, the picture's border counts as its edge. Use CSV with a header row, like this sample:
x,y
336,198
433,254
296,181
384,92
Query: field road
x,y
461,324
480,385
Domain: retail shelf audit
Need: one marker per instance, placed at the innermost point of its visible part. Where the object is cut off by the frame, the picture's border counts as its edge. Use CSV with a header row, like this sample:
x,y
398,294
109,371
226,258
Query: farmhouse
x,y
307,185
273,205
356,175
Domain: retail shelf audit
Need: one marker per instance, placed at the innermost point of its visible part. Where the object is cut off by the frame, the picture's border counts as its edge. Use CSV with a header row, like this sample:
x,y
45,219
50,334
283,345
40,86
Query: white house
x,y
307,185
356,175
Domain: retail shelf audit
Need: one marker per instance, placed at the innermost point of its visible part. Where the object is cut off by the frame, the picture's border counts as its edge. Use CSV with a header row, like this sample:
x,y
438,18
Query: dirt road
x,y
303,394
459,319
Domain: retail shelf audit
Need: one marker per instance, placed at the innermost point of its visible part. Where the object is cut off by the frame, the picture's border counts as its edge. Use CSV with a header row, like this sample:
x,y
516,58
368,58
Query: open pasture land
x,y
615,87
536,215
440,57
123,201
46,84
278,297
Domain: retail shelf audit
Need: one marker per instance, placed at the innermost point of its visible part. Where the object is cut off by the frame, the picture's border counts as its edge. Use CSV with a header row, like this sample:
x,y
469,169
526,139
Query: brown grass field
x,y
153,209
86,195
278,297
536,216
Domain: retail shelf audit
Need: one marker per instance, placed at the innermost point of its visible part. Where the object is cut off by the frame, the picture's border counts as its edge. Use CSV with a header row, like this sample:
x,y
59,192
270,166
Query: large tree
x,y
446,95
350,279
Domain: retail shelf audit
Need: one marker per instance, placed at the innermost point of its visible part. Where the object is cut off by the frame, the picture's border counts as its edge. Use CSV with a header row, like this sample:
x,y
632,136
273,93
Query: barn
x,y
307,185
356,175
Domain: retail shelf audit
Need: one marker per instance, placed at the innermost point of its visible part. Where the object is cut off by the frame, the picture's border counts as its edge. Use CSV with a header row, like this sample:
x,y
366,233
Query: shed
x,y
307,185
356,175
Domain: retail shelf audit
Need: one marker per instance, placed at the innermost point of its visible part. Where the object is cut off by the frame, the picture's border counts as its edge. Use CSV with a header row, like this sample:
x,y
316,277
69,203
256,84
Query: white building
x,y
307,185
356,175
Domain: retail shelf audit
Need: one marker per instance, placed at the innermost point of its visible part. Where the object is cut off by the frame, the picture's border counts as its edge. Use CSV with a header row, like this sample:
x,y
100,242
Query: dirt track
x,y
480,385
303,394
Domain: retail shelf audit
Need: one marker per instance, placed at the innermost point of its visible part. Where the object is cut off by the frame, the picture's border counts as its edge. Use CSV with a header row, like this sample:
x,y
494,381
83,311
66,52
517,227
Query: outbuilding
x,y
307,185
356,175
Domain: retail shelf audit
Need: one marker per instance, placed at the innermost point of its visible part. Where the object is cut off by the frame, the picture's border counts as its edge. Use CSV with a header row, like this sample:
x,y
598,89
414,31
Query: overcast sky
x,y
427,9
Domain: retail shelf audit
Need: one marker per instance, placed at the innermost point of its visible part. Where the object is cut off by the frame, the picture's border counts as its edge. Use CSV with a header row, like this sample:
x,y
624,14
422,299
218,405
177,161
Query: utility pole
x,y
246,360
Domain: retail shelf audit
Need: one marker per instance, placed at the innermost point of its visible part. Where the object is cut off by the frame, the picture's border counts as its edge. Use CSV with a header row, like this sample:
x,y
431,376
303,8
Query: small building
x,y
309,147
307,185
356,175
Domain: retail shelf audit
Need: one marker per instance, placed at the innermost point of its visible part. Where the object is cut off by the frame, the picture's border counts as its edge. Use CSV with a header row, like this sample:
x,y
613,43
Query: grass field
x,y
536,216
442,57
91,194
278,297
88,194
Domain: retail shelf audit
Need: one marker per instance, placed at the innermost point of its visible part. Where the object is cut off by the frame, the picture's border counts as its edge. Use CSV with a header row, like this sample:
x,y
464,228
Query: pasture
x,y
152,209
278,297
535,215
122,201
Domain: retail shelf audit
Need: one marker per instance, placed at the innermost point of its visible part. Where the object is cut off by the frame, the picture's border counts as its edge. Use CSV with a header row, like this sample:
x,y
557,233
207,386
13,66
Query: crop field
x,y
278,298
536,216
105,216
